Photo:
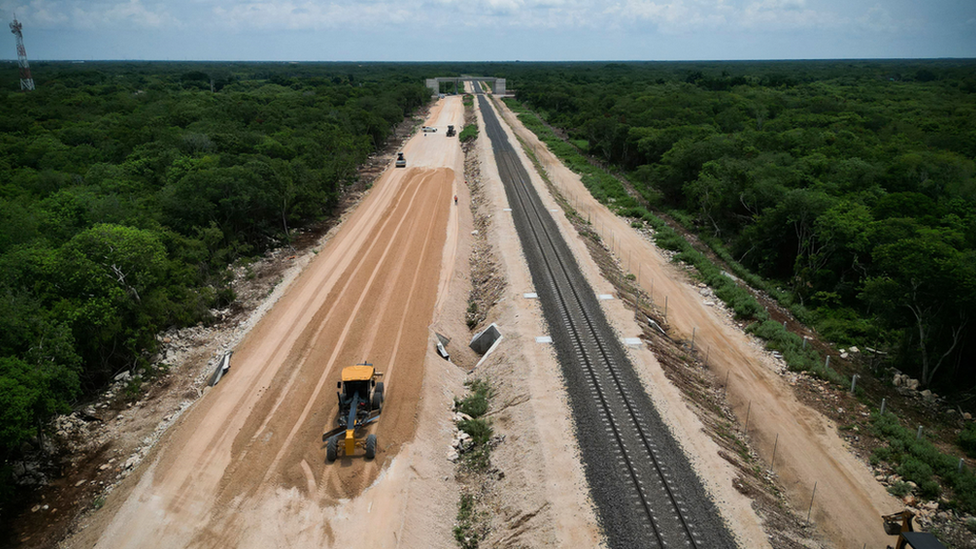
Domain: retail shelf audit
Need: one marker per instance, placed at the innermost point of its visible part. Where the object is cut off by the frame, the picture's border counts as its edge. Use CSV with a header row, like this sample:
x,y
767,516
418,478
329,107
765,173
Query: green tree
x,y
928,289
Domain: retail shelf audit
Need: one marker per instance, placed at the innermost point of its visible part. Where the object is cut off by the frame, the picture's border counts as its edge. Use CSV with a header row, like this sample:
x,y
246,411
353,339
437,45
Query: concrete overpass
x,y
497,84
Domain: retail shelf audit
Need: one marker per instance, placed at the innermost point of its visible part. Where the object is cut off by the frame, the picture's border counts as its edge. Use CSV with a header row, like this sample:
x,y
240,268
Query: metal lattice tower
x,y
26,81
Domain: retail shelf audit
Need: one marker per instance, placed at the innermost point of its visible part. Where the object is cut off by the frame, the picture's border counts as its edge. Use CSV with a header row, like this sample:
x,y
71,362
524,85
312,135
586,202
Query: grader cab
x,y
360,404
900,524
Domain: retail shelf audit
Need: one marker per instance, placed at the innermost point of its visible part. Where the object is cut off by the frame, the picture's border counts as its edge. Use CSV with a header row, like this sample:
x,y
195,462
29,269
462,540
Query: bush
x,y
914,470
791,347
464,531
900,489
474,405
930,489
469,133
479,429
967,440
919,461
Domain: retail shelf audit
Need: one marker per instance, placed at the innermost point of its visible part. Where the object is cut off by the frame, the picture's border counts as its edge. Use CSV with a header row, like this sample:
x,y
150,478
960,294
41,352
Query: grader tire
x,y
379,389
370,446
377,401
331,450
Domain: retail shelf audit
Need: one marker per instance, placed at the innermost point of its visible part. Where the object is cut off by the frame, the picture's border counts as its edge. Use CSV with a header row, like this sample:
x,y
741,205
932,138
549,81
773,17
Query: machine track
x,y
646,493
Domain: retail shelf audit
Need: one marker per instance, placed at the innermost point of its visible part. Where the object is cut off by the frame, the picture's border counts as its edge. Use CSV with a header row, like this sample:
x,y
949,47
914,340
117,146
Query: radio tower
x,y
26,81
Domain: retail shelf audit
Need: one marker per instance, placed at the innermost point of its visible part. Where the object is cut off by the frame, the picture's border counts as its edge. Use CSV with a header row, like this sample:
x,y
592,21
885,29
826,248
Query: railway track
x,y
646,493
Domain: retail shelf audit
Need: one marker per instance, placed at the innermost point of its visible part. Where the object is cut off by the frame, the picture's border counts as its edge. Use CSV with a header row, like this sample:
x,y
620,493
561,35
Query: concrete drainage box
x,y
483,340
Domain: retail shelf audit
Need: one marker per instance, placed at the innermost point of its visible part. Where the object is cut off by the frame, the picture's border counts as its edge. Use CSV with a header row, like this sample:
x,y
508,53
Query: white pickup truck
x,y
429,129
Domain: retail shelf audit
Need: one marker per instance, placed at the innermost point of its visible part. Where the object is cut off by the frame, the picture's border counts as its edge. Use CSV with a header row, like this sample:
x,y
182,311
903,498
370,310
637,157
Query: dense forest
x,y
850,184
126,189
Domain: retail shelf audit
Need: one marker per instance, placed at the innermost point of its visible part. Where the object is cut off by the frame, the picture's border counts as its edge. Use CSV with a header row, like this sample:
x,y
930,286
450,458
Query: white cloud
x,y
308,15
708,15
414,17
878,19
126,14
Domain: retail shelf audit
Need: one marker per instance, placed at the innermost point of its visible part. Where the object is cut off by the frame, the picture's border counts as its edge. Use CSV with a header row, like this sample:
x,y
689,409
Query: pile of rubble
x,y
462,441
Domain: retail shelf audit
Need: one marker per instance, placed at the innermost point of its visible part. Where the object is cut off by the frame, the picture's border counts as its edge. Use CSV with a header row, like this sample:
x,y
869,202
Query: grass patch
x,y
900,489
469,133
133,389
479,429
919,461
465,532
475,405
472,315
472,525
967,440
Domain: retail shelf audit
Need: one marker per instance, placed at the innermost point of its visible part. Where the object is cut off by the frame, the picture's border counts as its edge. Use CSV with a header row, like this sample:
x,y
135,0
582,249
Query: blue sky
x,y
490,30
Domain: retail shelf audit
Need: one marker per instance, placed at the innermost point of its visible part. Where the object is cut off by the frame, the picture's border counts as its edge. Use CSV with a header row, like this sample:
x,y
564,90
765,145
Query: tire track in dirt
x,y
378,270
352,318
356,305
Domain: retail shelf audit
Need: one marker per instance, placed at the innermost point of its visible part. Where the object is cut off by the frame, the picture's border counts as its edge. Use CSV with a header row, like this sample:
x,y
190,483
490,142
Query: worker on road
x,y
455,200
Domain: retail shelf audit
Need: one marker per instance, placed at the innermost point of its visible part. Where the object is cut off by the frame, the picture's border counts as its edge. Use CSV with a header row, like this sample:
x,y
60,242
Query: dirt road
x,y
245,467
848,501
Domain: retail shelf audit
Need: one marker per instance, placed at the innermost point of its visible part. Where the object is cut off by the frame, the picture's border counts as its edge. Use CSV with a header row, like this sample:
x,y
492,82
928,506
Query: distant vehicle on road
x,y
401,162
450,131
429,129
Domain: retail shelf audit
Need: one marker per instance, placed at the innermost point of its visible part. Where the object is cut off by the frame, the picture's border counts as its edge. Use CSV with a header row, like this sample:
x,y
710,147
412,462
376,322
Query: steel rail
x,y
585,336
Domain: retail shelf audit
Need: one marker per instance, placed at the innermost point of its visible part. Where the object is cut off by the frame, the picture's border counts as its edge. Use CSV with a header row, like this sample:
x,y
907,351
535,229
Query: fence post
x,y
725,389
884,401
748,411
962,463
811,500
772,462
918,435
853,382
693,330
665,308
827,363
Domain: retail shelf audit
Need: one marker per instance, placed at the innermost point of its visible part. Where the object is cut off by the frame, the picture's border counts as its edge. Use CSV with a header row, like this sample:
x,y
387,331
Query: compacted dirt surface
x,y
245,465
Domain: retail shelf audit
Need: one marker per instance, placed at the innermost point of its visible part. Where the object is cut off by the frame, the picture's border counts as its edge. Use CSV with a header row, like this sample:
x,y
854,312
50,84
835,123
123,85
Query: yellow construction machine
x,y
360,404
900,524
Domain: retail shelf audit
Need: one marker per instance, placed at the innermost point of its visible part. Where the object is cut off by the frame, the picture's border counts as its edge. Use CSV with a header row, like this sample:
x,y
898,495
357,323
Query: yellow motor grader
x,y
360,404
900,524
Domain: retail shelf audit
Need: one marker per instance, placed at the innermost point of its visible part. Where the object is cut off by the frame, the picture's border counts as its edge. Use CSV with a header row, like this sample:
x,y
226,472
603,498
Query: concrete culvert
x,y
442,342
483,340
